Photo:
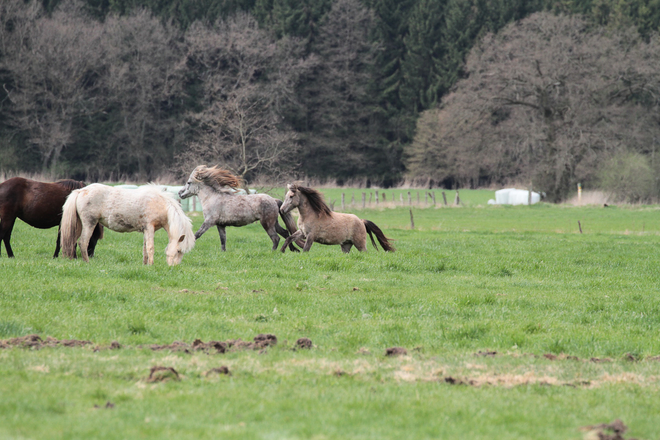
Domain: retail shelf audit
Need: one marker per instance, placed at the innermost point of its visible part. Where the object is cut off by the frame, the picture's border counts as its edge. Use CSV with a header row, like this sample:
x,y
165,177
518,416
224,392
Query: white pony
x,y
146,209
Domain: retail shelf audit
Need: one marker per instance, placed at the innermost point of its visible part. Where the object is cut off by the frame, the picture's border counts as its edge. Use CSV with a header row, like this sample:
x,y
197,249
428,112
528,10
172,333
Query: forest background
x,y
449,93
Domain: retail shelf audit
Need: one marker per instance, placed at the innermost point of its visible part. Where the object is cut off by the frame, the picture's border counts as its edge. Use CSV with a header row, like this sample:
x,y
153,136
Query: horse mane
x,y
178,222
216,177
71,184
315,199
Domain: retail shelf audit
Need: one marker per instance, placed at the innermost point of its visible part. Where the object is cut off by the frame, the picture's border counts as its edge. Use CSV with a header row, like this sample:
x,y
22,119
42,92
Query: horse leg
x,y
284,233
148,248
57,245
295,236
223,237
85,236
205,227
96,236
6,226
346,247
272,233
308,243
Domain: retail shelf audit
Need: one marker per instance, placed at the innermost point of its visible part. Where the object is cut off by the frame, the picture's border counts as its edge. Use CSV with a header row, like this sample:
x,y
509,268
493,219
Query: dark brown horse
x,y
38,204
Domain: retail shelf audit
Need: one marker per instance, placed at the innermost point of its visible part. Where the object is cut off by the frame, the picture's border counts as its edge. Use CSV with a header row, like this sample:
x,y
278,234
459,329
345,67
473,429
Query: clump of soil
x,y
457,381
304,343
35,342
486,353
600,360
219,347
606,431
108,405
396,351
219,370
162,374
260,342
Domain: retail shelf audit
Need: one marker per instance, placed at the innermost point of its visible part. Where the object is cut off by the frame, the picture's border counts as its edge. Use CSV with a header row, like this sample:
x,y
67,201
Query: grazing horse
x,y
39,204
222,206
319,224
145,209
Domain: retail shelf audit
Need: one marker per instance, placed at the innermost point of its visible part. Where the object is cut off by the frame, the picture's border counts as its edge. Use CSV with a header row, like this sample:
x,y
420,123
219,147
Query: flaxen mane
x,y
216,177
315,200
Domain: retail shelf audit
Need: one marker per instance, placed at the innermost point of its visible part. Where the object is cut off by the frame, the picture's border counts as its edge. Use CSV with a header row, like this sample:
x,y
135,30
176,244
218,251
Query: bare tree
x,y
546,100
52,62
248,80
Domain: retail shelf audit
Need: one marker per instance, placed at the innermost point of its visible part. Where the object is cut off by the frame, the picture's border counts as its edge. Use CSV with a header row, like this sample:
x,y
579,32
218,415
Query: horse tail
x,y
71,226
287,218
384,241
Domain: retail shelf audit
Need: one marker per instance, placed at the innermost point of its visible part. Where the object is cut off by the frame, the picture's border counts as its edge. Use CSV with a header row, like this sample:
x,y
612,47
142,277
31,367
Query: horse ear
x,y
182,238
288,186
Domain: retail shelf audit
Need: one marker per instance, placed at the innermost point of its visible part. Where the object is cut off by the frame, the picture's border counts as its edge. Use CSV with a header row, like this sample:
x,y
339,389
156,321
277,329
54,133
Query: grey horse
x,y
223,206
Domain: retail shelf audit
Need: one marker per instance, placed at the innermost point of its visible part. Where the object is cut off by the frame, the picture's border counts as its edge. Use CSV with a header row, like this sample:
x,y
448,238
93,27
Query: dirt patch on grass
x,y
162,374
606,431
396,351
304,343
260,342
223,370
35,342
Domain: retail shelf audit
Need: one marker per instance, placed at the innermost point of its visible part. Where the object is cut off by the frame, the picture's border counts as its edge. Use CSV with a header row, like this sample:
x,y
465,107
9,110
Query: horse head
x,y
174,251
291,199
193,184
298,194
213,177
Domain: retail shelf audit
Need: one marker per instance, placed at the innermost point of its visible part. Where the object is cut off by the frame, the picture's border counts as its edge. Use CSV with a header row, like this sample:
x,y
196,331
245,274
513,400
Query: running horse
x,y
223,206
39,204
319,224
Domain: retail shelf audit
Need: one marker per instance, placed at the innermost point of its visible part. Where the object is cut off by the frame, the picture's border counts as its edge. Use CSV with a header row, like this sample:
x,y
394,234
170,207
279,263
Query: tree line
x,y
341,89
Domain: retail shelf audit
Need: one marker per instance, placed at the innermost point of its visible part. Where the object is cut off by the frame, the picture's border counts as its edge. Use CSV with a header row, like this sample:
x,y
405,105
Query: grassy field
x,y
516,326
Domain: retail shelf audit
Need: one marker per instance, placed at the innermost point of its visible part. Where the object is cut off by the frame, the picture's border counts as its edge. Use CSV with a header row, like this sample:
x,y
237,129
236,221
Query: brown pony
x,y
319,224
38,204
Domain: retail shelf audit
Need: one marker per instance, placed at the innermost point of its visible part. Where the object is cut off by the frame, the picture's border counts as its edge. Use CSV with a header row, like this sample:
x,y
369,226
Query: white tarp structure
x,y
513,196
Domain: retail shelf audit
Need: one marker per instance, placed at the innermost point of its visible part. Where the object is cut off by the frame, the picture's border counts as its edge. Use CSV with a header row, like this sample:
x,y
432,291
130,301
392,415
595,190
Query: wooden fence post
x,y
342,201
364,199
409,199
412,222
457,199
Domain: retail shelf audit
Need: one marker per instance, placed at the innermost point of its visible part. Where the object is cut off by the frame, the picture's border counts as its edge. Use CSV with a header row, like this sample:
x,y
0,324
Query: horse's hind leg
x,y
6,226
272,233
346,247
223,237
83,242
57,244
96,236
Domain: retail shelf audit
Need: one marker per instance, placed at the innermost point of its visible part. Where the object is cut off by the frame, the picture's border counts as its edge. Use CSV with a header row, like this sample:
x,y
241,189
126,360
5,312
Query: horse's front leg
x,y
148,247
6,225
293,237
309,242
223,237
205,227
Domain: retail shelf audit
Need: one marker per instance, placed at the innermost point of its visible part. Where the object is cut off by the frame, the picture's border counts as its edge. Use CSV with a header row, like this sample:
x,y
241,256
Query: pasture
x,y
516,326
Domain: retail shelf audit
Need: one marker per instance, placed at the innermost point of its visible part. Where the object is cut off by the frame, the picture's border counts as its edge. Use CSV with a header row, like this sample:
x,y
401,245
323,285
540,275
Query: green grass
x,y
521,281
